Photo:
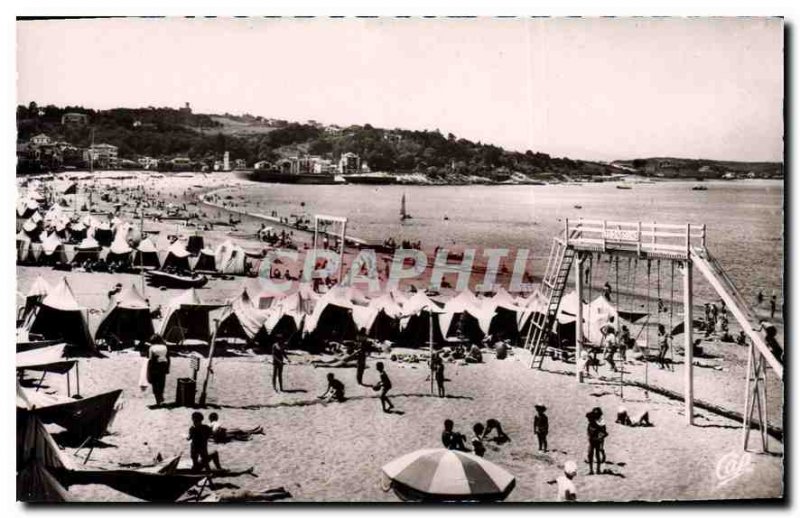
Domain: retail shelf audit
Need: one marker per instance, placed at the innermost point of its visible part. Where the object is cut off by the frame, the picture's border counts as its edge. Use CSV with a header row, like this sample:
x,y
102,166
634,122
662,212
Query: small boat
x,y
624,187
699,188
578,206
81,418
140,483
174,280
403,214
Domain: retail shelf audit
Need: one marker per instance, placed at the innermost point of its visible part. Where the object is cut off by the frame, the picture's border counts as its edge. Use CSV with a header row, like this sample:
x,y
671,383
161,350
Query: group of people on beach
x,y
391,243
280,239
492,430
335,389
200,434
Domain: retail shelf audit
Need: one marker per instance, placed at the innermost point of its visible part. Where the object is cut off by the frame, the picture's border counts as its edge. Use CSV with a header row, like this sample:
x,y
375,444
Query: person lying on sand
x,y
347,361
335,390
243,495
493,425
451,439
475,355
220,434
640,419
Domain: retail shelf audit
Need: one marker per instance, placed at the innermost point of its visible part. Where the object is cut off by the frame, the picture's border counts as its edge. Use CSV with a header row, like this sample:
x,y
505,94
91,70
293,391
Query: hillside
x,y
668,167
166,133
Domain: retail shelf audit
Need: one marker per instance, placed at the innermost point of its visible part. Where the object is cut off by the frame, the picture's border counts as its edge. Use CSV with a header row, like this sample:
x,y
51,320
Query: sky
x,y
586,88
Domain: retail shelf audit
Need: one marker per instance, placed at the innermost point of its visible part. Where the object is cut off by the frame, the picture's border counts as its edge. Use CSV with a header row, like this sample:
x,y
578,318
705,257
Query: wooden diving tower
x,y
684,245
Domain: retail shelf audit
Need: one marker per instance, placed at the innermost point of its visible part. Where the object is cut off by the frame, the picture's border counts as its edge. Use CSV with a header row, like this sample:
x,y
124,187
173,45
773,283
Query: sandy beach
x,y
334,451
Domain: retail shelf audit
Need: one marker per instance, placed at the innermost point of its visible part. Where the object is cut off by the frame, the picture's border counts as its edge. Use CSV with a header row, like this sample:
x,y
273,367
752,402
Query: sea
x,y
744,221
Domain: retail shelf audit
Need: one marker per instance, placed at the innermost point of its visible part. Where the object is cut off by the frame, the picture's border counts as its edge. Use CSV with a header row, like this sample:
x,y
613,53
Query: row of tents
x,y
56,238
53,313
227,258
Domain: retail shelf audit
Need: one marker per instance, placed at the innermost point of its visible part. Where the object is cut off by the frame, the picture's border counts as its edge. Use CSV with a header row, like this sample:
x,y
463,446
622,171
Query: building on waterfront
x,y
310,164
40,140
147,162
349,163
240,163
104,155
186,109
74,119
181,162
323,166
226,161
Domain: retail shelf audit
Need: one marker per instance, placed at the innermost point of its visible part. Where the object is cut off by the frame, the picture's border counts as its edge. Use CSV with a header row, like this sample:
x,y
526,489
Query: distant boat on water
x,y
624,187
403,214
699,188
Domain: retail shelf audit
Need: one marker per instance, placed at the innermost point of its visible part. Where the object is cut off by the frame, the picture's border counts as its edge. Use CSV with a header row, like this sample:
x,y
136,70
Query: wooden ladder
x,y
553,284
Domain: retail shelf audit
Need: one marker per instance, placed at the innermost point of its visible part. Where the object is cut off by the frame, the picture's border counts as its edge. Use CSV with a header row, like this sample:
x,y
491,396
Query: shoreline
x,y
426,182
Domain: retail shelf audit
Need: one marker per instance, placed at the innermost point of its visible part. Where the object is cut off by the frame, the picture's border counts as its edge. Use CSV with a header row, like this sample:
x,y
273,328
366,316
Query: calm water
x,y
744,219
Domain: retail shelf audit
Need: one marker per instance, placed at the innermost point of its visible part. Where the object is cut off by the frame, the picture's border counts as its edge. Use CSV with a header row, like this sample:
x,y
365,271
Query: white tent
x,y
59,316
204,262
27,207
462,307
240,319
419,312
176,257
88,243
50,243
146,255
596,314
187,318
230,258
389,304
37,292
338,299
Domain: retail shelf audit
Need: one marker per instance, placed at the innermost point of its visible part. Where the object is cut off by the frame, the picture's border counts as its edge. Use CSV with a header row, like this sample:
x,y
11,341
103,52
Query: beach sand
x,y
334,452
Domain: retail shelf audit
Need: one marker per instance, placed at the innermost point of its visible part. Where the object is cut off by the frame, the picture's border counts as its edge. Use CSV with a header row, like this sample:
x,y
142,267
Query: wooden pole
x,y
141,238
204,392
579,317
688,345
430,344
747,389
341,251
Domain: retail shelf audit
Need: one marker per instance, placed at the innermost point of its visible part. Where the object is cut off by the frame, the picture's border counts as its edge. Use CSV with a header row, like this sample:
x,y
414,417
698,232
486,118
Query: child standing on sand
x,y
199,435
541,426
384,385
596,432
438,373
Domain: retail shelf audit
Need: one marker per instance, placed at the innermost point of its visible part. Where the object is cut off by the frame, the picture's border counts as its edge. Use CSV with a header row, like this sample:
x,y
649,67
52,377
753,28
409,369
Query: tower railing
x,y
642,238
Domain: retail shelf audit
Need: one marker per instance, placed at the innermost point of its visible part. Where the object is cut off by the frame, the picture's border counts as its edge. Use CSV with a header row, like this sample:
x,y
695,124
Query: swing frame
x,y
686,246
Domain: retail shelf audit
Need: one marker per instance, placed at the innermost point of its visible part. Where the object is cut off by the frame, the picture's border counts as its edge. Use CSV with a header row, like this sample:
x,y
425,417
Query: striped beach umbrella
x,y
440,475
